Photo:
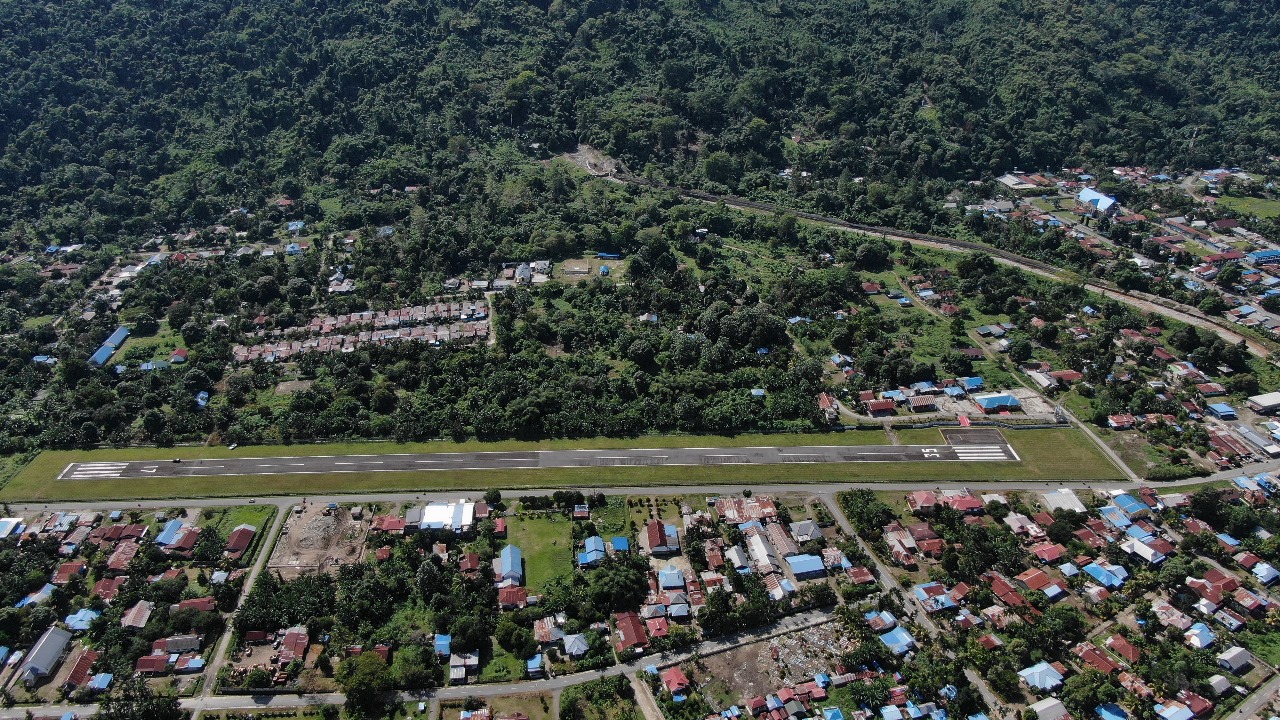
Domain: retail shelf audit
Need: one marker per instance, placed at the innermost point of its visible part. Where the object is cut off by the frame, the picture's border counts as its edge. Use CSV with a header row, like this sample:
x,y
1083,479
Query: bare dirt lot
x,y
750,670
318,540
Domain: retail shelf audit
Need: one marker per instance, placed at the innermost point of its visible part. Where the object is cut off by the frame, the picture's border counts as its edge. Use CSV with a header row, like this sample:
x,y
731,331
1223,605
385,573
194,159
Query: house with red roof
x,y
152,664
631,631
922,502
108,588
1121,646
203,604
1091,656
67,571
81,670
294,645
512,597
239,541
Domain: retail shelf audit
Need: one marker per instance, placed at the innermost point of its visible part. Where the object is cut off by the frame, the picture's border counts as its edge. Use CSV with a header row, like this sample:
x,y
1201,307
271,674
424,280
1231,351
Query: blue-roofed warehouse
x,y
996,402
1222,411
1115,516
1131,506
805,567
118,337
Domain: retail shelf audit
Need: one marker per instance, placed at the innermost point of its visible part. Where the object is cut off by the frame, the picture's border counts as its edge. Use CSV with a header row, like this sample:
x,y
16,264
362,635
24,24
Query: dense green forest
x,y
124,118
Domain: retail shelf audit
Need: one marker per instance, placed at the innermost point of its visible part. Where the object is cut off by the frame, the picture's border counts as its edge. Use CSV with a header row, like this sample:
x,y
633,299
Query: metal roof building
x,y
45,655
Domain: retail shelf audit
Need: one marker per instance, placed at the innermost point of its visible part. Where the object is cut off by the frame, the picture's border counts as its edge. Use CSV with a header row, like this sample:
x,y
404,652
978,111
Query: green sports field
x,y
1047,455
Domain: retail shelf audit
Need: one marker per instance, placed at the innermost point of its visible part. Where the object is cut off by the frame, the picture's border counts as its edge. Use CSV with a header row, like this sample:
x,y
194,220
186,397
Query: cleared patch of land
x,y
546,542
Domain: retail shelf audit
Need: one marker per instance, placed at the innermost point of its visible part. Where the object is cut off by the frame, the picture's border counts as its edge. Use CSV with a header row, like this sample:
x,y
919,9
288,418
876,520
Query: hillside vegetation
x,y
126,117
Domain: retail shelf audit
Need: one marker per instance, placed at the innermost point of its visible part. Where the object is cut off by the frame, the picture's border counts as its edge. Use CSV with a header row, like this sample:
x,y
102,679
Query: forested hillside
x,y
126,117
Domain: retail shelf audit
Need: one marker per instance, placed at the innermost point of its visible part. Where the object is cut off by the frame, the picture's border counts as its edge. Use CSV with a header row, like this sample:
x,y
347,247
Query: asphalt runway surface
x,y
537,459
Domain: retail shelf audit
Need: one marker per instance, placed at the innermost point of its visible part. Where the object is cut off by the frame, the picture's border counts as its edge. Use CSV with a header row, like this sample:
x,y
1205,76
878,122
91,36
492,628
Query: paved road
x,y
224,643
534,459
1140,300
1253,705
794,623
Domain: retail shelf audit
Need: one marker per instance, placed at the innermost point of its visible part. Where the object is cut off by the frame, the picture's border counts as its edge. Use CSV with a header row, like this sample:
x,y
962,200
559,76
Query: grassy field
x,y
1265,646
1261,207
502,667
536,705
226,519
1047,455
546,544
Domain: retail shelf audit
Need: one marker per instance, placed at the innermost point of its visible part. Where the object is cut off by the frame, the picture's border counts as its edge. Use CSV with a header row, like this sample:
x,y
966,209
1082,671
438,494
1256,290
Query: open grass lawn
x,y
547,545
536,705
153,347
38,321
920,436
1261,207
613,519
226,519
502,667
1265,646
1058,454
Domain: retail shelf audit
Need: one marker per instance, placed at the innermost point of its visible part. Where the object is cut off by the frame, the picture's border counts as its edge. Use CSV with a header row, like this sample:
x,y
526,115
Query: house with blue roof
x,y
1199,636
511,565
1227,540
1041,676
1222,411
996,403
933,597
443,644
593,552
100,682
1114,516
806,567
670,578
38,597
881,620
1263,257
898,640
1094,202
1132,507
81,619
1137,533
972,383
1174,711
620,544
169,533
1111,711
1109,576
832,713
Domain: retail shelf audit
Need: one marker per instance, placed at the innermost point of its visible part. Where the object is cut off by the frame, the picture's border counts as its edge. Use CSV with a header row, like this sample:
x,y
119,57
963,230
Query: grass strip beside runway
x,y
1047,455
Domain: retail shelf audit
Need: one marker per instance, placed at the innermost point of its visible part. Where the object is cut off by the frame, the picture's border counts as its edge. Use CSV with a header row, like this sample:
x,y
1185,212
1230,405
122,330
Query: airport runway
x,y
535,459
